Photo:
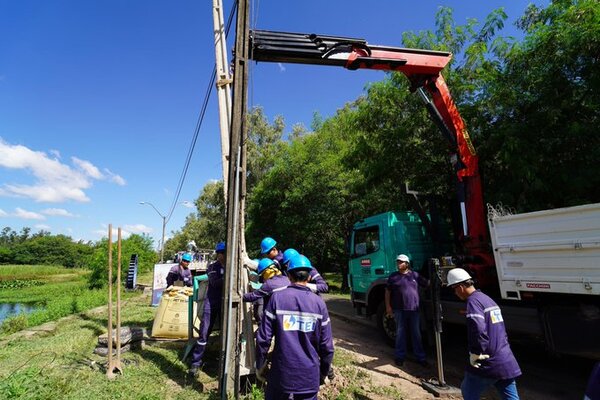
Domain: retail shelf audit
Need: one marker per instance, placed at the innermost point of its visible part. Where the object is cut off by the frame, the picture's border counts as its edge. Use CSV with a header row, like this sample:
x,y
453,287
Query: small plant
x,y
19,283
14,324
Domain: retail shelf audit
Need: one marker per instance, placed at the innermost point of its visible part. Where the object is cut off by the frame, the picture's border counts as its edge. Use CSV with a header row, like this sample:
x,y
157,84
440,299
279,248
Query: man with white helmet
x,y
402,301
491,361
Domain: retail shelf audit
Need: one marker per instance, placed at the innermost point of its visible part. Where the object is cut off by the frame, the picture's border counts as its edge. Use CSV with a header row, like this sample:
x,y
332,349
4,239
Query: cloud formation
x,y
42,227
57,212
55,181
138,228
21,213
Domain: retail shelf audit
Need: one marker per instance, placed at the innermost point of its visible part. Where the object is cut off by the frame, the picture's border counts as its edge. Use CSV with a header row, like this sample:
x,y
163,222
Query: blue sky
x,y
99,100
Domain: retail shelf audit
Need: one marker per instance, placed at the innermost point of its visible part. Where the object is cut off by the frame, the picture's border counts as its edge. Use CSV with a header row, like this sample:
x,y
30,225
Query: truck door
x,y
367,259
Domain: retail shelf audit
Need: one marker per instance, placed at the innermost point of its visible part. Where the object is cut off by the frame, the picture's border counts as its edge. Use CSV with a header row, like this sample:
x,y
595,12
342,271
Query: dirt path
x,y
544,377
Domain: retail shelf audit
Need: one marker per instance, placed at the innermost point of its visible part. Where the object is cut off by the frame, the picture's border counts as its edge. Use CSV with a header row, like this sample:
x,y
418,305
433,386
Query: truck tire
x,y
386,325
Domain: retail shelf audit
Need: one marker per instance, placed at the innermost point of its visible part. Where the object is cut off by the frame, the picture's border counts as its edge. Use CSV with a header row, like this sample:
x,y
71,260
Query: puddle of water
x,y
10,309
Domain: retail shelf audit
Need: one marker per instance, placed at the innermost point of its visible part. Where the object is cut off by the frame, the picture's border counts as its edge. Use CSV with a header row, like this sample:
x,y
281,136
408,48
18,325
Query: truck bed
x,y
551,251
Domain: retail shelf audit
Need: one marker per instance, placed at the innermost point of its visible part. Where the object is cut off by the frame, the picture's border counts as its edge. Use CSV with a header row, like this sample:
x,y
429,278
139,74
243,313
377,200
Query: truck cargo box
x,y
553,251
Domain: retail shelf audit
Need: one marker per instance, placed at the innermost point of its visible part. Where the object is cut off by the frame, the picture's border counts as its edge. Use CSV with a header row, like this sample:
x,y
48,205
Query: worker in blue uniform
x,y
491,361
268,249
316,282
181,272
402,301
211,307
299,321
272,280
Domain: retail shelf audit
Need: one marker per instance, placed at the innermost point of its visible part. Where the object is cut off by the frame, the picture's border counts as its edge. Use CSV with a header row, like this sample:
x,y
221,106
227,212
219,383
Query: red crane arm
x,y
423,69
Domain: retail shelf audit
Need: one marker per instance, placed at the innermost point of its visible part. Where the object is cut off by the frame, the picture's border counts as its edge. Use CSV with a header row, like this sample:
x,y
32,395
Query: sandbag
x,y
171,319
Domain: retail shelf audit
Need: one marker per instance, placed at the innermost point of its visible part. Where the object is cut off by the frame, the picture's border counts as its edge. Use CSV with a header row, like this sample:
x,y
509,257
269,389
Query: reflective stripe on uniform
x,y
269,315
475,316
299,314
324,323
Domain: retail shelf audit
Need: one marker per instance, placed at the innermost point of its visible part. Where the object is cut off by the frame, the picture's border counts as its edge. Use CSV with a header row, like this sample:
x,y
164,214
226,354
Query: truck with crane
x,y
543,268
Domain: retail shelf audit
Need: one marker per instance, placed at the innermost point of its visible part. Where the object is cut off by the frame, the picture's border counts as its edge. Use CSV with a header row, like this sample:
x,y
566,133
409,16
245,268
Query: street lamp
x,y
164,224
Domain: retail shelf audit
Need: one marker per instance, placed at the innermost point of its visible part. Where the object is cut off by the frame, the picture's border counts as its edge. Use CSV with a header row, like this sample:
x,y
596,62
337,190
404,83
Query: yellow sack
x,y
171,319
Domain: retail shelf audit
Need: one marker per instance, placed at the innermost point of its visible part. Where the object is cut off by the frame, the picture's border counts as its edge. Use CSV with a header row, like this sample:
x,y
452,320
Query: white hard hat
x,y
457,275
402,257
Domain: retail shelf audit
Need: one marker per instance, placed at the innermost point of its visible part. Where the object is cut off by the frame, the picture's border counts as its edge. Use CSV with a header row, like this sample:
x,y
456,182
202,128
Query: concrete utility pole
x,y
237,340
223,80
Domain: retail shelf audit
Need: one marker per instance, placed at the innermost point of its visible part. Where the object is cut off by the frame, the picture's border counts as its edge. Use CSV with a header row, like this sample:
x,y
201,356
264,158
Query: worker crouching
x,y
272,280
299,321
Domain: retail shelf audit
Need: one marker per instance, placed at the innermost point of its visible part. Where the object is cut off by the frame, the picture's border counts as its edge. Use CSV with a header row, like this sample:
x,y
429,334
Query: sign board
x,y
159,283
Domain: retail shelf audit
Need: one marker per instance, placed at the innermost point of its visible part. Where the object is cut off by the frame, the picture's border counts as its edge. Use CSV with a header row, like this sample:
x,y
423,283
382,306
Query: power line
x,y
209,89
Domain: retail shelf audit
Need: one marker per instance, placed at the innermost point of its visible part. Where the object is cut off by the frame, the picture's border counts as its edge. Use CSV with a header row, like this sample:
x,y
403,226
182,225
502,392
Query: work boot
x,y
399,362
194,370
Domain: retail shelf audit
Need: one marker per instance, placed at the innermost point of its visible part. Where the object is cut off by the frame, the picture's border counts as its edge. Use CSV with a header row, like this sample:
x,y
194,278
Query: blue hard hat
x,y
299,262
267,244
220,248
264,264
186,257
288,255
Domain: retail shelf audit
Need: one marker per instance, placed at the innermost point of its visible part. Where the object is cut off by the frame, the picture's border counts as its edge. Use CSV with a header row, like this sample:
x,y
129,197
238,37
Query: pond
x,y
11,309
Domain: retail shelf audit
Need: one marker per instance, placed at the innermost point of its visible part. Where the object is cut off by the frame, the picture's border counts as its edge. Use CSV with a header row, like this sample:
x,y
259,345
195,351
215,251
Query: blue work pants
x,y
211,312
473,386
407,323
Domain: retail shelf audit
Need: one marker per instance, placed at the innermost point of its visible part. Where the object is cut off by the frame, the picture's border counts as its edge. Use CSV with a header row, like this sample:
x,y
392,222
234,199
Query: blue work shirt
x,y
404,290
299,321
487,335
214,293
178,273
319,282
278,282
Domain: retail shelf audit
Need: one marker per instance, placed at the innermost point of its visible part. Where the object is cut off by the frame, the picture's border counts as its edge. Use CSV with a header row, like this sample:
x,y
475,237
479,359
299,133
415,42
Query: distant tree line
x,y
44,248
532,107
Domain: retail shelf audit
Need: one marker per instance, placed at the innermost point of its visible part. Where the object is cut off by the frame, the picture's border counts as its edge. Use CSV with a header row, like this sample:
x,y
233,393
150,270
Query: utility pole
x,y
223,80
237,341
164,224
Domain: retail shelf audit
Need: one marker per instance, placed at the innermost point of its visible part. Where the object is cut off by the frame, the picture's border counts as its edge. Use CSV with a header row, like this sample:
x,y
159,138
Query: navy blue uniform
x,y
316,283
178,273
212,309
299,321
486,334
260,297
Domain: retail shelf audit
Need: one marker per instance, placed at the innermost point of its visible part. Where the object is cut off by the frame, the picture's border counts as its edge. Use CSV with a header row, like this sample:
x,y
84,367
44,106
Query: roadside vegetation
x,y
530,105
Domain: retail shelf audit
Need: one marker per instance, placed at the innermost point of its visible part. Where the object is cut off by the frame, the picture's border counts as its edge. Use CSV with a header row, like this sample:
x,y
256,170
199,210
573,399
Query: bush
x,y
14,324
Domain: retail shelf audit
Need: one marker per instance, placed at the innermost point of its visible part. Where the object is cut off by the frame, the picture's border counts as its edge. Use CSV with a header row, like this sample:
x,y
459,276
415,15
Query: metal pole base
x,y
434,387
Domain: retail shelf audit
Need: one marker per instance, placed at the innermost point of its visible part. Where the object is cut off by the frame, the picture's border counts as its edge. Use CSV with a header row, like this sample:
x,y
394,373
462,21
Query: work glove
x,y
322,380
312,287
261,373
476,359
330,374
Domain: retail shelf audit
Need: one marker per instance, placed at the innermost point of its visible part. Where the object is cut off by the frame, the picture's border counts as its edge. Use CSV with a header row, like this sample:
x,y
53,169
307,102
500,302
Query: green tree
x,y
541,144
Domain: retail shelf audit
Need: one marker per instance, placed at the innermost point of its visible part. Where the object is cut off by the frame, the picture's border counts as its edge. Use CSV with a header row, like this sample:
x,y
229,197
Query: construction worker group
x,y
288,308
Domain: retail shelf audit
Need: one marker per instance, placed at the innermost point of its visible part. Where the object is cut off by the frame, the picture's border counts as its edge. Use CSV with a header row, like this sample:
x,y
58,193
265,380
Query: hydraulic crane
x,y
423,70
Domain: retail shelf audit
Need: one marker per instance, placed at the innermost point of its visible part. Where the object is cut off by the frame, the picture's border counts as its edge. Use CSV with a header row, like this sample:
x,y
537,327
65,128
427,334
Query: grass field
x,y
58,361
59,292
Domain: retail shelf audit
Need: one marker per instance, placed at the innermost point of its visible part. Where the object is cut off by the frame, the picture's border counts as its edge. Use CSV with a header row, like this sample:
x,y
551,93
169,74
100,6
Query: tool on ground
x,y
114,366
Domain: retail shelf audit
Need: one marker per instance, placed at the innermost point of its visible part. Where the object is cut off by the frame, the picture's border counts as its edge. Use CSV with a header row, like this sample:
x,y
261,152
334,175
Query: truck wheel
x,y
386,325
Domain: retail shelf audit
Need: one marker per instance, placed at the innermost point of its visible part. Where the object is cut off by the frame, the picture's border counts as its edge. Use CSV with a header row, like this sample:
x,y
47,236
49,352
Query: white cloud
x,y
115,178
188,204
3,213
281,67
138,228
21,213
88,168
57,212
55,181
42,227
115,232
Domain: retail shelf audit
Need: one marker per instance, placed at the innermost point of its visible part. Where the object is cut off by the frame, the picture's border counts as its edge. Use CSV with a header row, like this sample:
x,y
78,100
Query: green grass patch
x,y
58,291
334,280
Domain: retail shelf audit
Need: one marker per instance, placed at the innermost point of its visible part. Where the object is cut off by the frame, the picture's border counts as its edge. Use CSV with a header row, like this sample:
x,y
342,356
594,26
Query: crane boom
x,y
423,70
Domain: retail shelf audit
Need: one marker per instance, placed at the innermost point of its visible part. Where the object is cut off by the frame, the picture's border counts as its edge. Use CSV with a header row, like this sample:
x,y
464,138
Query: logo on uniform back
x,y
299,323
496,316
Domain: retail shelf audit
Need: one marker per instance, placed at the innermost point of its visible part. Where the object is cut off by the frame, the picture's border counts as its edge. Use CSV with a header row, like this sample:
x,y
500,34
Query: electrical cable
x,y
209,89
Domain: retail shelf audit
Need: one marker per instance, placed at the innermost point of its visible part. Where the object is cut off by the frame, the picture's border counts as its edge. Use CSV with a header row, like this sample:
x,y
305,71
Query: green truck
x,y
374,244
